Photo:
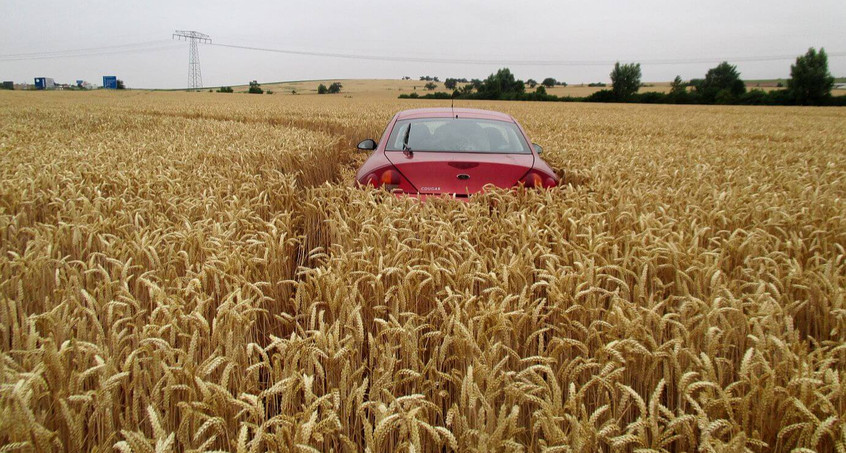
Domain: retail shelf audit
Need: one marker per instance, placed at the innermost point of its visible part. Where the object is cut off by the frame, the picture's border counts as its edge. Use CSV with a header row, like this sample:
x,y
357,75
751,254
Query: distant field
x,y
197,272
392,88
389,88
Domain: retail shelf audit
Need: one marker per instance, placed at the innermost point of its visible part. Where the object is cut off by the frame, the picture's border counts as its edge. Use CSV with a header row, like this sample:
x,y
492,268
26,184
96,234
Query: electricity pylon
x,y
195,77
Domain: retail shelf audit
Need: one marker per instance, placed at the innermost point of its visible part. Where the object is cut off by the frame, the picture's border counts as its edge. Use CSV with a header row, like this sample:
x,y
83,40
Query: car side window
x,y
397,137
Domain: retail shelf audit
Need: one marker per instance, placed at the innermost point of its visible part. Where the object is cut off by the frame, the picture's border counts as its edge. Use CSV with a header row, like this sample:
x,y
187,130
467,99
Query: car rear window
x,y
468,135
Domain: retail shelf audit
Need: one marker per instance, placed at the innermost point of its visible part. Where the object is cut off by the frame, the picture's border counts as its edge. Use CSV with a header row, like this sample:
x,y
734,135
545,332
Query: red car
x,y
453,152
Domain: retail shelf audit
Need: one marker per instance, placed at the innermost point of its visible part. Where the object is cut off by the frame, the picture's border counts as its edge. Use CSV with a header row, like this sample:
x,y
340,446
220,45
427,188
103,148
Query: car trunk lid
x,y
459,173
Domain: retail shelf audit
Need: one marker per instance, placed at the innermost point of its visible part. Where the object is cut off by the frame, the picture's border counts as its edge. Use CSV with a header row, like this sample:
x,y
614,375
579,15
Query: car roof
x,y
446,112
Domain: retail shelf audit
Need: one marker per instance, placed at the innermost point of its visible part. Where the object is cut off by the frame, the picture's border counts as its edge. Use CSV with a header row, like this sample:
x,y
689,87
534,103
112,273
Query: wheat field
x,y
197,272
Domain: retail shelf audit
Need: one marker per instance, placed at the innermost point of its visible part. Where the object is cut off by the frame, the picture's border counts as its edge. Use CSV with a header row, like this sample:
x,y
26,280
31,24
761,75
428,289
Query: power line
x,y
505,61
195,76
88,49
91,54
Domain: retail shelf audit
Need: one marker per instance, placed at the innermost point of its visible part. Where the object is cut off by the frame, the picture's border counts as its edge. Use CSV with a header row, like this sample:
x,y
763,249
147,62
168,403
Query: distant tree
x,y
602,96
335,87
224,90
563,84
810,82
268,92
540,90
476,83
430,86
436,79
466,89
450,83
321,89
723,77
501,84
597,84
724,97
549,82
532,83
255,88
625,80
678,85
120,85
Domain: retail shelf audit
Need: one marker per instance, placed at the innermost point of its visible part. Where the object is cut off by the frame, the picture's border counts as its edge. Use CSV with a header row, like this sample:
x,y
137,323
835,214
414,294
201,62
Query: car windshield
x,y
468,135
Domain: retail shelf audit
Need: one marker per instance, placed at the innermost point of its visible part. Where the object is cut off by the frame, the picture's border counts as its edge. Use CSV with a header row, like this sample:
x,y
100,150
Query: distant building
x,y
8,85
840,86
110,82
44,83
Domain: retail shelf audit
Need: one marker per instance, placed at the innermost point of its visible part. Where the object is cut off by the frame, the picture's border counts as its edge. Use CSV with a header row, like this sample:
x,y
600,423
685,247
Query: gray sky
x,y
571,32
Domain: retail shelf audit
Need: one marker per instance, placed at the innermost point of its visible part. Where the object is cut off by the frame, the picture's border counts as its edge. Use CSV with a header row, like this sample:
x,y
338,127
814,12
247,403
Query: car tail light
x,y
533,180
538,180
389,178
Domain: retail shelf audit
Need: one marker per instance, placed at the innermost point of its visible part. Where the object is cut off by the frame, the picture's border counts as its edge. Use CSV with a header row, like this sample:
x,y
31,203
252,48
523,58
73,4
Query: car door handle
x,y
463,176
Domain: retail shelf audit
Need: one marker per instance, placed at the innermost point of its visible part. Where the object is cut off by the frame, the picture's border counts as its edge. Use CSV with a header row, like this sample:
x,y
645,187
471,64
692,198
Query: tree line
x,y
810,83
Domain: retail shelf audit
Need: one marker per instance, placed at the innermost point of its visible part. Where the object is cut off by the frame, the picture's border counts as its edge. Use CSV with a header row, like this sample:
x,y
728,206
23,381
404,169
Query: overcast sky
x,y
577,40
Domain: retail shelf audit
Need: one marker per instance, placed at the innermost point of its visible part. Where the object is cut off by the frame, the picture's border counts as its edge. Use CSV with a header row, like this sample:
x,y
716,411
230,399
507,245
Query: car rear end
x,y
456,153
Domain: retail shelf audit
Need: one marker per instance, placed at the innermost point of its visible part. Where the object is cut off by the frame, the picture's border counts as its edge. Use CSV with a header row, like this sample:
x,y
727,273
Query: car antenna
x,y
405,148
452,105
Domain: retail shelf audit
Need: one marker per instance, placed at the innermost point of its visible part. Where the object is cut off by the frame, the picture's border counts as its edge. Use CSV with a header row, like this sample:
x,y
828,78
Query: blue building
x,y
110,82
44,83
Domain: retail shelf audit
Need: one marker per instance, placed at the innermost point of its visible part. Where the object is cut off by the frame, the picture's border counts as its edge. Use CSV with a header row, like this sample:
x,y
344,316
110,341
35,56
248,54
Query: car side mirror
x,y
367,145
538,148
